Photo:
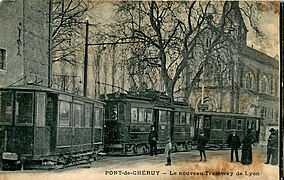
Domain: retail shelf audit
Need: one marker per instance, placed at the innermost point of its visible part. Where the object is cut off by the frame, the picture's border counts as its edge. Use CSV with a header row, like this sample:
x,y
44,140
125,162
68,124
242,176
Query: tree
x,y
177,33
68,38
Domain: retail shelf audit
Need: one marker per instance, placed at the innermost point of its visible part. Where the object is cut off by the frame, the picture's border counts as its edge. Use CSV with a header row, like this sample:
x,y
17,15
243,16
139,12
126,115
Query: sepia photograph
x,y
93,89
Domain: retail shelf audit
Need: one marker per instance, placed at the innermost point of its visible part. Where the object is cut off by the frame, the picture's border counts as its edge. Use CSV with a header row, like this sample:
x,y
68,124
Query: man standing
x,y
201,142
152,139
234,143
272,147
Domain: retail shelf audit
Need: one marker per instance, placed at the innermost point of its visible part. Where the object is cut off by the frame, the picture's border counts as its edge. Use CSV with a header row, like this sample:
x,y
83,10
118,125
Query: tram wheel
x,y
134,148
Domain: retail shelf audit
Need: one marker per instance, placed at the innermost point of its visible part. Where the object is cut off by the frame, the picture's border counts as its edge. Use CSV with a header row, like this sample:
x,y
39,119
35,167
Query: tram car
x,y
129,118
182,126
217,126
45,128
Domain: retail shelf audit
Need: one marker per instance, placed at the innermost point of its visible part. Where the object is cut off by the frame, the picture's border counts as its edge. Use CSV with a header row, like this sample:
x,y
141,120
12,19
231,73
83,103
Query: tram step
x,y
84,154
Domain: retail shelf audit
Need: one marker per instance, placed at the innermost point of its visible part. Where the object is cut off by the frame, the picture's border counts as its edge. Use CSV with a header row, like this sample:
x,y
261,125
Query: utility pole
x,y
49,76
86,59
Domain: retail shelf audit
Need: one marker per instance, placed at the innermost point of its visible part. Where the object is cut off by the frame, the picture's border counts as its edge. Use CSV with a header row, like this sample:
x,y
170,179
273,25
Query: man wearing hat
x,y
201,142
234,143
152,139
272,143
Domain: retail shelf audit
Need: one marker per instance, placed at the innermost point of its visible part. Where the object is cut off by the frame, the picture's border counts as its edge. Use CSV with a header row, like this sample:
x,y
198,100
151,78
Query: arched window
x,y
272,85
249,81
263,84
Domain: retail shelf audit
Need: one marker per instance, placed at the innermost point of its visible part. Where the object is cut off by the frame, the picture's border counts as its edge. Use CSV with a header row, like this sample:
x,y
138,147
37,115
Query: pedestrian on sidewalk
x,y
247,148
152,139
168,150
234,143
201,142
272,147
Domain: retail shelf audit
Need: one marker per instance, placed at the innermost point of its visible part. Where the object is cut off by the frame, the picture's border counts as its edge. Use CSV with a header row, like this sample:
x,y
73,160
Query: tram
x,y
42,127
130,116
217,126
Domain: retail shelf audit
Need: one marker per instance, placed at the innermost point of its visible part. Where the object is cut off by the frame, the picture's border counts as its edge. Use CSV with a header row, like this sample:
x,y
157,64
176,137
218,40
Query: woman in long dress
x,y
247,148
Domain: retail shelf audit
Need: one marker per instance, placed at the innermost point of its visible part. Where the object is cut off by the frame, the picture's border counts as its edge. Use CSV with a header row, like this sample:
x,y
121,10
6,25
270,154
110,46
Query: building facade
x,y
23,42
252,82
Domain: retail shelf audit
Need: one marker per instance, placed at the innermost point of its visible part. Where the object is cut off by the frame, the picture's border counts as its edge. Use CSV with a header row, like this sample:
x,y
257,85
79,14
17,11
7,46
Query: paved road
x,y
186,165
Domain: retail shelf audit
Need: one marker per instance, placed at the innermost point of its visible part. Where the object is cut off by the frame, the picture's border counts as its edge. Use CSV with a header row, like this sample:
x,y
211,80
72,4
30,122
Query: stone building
x,y
23,42
252,82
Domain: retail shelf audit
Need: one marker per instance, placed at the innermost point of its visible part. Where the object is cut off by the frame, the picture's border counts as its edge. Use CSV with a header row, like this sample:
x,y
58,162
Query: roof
x,y
223,114
44,89
259,57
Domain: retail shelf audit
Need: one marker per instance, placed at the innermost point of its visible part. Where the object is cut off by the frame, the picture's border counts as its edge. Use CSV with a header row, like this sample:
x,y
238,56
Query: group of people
x,y
233,142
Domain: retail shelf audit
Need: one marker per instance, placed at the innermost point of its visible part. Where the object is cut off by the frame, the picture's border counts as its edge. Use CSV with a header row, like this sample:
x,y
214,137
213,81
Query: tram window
x,y
78,115
217,124
24,108
149,115
187,118
206,122
134,115
40,109
176,118
64,114
111,111
121,108
249,124
163,117
182,117
6,102
257,124
142,115
252,125
88,115
98,117
229,124
239,125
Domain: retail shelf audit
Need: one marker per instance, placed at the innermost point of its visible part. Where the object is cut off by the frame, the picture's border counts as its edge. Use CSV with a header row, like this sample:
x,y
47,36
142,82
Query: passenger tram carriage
x,y
217,126
40,126
129,118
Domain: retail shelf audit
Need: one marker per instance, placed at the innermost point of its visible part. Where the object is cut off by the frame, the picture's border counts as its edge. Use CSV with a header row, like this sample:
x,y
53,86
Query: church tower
x,y
234,22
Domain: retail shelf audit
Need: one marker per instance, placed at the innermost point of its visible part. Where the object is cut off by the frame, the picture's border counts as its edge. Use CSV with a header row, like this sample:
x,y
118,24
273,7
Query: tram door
x,y
155,119
202,122
207,126
51,119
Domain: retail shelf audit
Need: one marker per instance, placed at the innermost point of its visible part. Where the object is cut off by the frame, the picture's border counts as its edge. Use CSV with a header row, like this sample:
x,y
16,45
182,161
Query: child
x,y
168,152
201,142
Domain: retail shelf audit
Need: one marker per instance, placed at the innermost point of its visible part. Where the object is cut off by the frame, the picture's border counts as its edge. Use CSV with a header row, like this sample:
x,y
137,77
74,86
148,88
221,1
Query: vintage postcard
x,y
140,89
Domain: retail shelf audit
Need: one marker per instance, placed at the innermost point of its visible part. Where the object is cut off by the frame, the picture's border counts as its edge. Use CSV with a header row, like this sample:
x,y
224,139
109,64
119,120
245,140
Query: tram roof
x,y
29,88
223,114
138,96
43,89
159,101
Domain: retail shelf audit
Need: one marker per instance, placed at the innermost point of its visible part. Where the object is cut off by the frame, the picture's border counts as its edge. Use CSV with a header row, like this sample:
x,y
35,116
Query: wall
x,y
24,36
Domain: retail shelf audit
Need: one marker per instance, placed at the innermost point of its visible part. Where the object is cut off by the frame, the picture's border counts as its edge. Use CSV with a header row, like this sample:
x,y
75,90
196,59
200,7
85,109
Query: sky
x,y
268,23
